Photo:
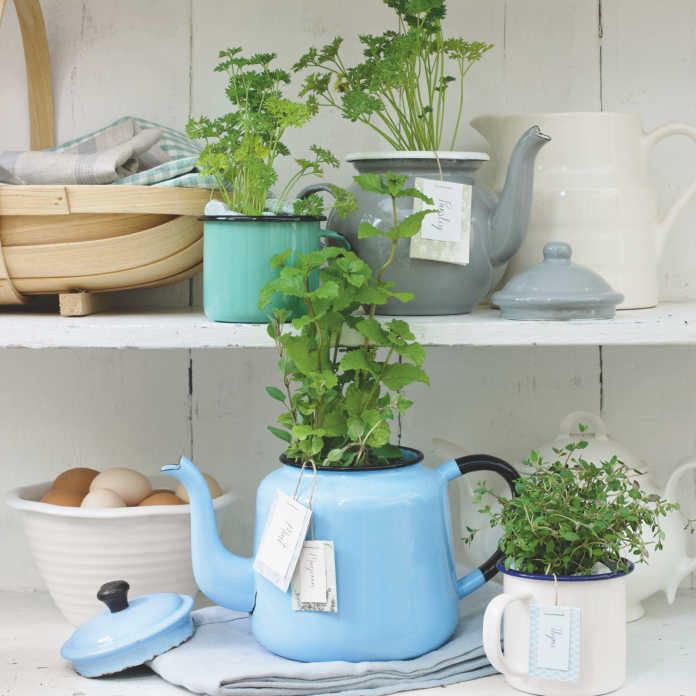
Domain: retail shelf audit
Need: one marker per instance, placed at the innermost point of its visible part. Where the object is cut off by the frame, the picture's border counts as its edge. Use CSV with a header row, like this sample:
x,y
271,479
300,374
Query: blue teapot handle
x,y
466,465
316,188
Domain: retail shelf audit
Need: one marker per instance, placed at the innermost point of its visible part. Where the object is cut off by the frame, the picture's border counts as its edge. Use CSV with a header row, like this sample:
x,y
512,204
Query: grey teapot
x,y
498,228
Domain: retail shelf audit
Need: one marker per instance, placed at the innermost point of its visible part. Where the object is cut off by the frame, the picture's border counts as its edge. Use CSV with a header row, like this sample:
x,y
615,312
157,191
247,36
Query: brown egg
x,y
167,498
77,480
161,490
213,487
64,498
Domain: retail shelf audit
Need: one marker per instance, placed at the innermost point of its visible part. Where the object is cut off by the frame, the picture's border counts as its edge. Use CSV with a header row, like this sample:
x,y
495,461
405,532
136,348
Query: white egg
x,y
131,485
213,487
102,498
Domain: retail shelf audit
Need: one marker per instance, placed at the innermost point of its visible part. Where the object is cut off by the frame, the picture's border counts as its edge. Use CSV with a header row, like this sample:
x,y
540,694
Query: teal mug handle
x,y
330,234
338,237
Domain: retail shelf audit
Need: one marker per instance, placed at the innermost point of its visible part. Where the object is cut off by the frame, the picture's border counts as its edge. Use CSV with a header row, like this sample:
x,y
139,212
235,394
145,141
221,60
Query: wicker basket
x,y
61,239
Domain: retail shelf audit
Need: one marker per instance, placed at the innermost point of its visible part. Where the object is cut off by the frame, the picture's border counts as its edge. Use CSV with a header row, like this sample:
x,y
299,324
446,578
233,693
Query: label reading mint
x,y
282,539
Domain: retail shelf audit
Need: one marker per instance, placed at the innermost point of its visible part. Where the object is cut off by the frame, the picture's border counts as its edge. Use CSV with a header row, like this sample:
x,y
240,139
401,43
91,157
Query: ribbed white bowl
x,y
77,550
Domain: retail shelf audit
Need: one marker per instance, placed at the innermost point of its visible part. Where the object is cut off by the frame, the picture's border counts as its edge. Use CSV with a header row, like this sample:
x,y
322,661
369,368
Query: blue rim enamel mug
x,y
397,590
596,654
237,253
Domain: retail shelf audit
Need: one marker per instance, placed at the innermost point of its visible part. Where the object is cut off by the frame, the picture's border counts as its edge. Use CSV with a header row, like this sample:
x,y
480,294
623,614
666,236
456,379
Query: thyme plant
x,y
241,147
335,410
571,513
401,88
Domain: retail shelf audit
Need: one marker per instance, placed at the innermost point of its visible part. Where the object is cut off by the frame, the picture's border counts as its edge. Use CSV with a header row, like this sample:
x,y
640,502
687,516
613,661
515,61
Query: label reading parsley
x,y
446,235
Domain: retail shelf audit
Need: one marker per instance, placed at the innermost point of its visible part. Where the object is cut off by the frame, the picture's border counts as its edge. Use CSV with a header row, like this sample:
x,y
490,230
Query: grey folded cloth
x,y
101,166
113,135
224,658
8,177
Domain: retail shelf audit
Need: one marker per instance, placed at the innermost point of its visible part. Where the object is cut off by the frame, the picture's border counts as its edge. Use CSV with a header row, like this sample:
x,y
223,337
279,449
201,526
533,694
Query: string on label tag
x,y
555,582
311,495
438,163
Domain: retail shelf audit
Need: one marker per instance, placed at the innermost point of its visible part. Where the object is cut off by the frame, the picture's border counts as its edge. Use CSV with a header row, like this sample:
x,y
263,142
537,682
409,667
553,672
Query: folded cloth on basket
x,y
119,132
223,658
98,167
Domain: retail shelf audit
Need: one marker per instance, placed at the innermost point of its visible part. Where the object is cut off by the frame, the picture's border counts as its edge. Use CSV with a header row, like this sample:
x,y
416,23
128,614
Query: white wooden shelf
x,y
188,327
661,654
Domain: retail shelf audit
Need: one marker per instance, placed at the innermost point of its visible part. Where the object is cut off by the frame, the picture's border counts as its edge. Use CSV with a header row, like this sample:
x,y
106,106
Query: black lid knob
x,y
115,595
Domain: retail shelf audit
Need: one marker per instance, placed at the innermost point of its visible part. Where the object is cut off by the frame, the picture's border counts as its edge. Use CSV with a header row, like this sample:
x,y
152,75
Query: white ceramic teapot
x,y
591,189
665,569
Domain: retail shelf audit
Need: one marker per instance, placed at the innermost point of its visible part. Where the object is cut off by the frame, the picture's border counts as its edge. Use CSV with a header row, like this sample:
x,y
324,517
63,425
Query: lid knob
x,y
115,595
558,253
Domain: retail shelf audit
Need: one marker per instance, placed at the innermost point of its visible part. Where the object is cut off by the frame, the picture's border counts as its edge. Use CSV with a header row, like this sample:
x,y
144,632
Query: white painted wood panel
x,y
649,404
230,413
155,60
95,409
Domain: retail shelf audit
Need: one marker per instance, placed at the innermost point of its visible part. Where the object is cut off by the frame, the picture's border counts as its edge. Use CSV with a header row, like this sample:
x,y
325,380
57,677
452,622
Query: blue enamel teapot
x,y
397,591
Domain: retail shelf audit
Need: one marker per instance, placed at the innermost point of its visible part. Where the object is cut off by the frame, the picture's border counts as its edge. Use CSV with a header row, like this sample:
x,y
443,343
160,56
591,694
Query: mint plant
x,y
570,514
242,146
401,88
336,413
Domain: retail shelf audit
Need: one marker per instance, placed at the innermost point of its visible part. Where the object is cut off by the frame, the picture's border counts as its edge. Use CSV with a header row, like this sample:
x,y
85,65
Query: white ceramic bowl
x,y
77,550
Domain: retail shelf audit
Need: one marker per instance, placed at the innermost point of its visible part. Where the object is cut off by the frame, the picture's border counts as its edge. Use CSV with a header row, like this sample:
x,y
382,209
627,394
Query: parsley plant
x,y
401,88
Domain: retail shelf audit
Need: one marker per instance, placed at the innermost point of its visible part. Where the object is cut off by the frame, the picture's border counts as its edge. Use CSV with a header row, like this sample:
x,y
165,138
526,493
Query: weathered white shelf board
x,y
188,327
661,654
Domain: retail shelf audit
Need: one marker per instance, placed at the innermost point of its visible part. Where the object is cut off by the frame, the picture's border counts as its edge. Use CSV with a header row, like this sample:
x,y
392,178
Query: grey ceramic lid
x,y
557,289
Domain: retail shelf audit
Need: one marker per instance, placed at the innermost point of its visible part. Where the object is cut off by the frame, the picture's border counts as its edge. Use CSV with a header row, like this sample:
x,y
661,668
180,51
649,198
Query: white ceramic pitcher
x,y
591,189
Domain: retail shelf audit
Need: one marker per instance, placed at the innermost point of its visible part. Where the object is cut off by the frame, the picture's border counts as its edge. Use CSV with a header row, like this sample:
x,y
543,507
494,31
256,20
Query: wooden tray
x,y
62,239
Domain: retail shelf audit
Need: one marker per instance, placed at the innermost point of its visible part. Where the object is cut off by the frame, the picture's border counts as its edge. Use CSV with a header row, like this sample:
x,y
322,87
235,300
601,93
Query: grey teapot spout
x,y
510,220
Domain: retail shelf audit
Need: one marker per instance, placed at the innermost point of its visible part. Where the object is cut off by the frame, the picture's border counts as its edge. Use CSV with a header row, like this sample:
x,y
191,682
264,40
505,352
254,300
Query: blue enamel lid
x,y
126,634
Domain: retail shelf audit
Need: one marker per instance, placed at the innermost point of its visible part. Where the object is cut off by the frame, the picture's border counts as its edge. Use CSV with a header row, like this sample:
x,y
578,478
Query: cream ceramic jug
x,y
591,189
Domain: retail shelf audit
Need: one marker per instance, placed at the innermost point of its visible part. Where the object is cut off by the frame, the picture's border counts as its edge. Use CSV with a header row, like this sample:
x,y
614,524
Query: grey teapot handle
x,y
316,188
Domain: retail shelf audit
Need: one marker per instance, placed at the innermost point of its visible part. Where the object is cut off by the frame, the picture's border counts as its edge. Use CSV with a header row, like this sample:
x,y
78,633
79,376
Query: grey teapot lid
x,y
557,290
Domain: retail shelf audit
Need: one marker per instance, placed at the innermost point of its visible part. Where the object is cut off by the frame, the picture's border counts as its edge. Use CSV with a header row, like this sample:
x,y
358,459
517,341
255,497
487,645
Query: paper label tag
x,y
314,580
554,642
312,567
282,539
446,235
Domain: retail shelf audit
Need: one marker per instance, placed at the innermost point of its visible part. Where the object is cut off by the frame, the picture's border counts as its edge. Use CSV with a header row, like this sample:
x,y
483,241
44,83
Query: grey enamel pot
x,y
498,229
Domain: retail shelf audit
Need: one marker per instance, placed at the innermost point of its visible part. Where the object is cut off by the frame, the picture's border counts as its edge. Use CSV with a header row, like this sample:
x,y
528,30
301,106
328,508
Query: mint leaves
x,y
337,412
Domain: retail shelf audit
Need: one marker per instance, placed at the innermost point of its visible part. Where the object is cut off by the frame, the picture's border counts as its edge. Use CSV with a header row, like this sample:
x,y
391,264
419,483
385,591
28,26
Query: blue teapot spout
x,y
511,218
226,579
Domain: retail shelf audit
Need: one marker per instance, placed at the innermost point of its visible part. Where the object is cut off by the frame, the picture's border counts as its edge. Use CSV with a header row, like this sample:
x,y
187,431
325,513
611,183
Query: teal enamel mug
x,y
237,253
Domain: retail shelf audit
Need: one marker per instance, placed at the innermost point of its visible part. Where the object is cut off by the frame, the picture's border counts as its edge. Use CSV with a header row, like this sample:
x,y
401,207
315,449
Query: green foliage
x,y
400,89
336,411
571,513
241,147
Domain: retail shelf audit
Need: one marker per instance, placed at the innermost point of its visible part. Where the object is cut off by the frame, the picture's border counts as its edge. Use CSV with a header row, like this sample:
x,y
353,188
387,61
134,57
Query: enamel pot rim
x,y
565,578
416,458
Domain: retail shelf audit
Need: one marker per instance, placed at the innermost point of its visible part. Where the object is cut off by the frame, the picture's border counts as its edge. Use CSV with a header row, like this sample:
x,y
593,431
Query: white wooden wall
x,y
154,59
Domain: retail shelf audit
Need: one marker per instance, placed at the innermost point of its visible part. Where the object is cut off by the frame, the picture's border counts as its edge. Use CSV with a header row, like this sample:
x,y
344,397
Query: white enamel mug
x,y
602,603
